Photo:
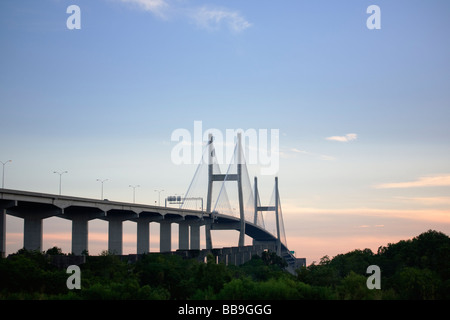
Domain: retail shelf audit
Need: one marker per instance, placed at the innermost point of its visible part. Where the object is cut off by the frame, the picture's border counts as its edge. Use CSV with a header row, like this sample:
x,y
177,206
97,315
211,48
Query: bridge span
x,y
34,207
246,215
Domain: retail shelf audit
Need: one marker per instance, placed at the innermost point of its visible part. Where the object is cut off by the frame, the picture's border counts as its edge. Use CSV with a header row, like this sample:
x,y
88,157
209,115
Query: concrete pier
x,y
80,233
165,236
183,236
115,235
143,236
32,232
195,236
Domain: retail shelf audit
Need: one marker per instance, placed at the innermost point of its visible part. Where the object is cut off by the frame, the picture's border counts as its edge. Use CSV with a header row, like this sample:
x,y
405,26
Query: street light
x,y
3,174
102,186
159,196
60,174
134,192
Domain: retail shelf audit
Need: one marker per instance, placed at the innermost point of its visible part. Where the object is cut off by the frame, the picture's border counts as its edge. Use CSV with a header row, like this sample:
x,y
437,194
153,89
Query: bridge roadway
x,y
34,207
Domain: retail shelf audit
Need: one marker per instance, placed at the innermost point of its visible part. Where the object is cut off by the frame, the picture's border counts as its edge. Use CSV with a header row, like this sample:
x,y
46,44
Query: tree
x,y
271,258
353,287
55,251
417,284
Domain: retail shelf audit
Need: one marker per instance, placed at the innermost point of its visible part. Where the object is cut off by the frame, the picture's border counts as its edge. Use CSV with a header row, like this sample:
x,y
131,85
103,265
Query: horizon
x,y
359,102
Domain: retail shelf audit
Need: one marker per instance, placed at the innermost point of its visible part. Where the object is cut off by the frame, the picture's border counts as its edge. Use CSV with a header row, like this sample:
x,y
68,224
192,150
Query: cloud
x,y
429,181
300,151
208,18
156,7
348,137
307,153
371,226
427,201
214,18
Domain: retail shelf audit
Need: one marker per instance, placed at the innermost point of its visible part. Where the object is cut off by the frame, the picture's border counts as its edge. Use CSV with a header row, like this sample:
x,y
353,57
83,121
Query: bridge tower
x,y
274,209
221,178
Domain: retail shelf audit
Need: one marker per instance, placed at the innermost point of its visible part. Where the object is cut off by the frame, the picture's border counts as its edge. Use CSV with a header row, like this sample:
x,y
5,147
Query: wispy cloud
x,y
215,18
427,201
348,137
313,154
205,17
156,7
370,226
428,181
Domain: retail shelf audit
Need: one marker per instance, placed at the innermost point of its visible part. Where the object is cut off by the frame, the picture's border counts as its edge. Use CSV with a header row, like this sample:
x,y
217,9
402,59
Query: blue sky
x,y
102,102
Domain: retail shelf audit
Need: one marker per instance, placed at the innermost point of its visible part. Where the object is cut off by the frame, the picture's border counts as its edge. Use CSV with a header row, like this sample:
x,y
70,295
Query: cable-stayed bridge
x,y
231,204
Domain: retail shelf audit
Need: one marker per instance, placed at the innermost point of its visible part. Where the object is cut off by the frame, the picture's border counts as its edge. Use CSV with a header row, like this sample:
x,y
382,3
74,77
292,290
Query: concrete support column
x,y
246,253
79,234
230,256
2,233
32,232
237,255
183,236
208,238
143,236
165,237
115,235
195,236
224,257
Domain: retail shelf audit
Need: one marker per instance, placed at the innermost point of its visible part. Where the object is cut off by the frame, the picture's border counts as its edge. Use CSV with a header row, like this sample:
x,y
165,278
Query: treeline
x,y
411,269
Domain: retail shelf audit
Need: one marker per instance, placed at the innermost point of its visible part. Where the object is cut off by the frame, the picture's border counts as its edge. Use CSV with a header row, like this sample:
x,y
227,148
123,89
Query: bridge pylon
x,y
274,209
235,205
212,177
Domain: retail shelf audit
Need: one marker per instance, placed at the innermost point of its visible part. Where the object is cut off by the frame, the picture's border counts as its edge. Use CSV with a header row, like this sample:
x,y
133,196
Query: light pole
x,y
134,192
60,174
159,196
101,198
3,174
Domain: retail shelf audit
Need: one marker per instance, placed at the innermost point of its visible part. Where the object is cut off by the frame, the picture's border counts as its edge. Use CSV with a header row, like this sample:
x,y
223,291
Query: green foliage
x,y
268,266
410,269
413,269
353,287
105,268
171,273
126,290
356,261
55,251
30,272
414,283
282,288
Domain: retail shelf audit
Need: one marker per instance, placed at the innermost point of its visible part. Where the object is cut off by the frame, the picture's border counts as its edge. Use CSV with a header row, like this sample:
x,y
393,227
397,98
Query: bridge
x,y
34,207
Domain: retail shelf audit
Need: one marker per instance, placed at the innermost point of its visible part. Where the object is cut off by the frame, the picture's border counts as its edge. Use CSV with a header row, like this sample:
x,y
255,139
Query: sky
x,y
362,113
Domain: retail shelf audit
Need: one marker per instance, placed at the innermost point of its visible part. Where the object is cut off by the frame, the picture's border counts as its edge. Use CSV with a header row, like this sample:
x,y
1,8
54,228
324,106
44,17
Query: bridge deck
x,y
33,207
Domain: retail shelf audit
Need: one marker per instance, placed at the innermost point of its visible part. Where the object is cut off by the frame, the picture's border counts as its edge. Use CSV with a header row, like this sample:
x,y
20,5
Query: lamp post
x,y
134,191
159,196
3,173
101,197
60,175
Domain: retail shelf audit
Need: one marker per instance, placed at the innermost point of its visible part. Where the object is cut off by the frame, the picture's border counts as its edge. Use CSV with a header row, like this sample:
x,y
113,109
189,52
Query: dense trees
x,y
412,269
28,274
